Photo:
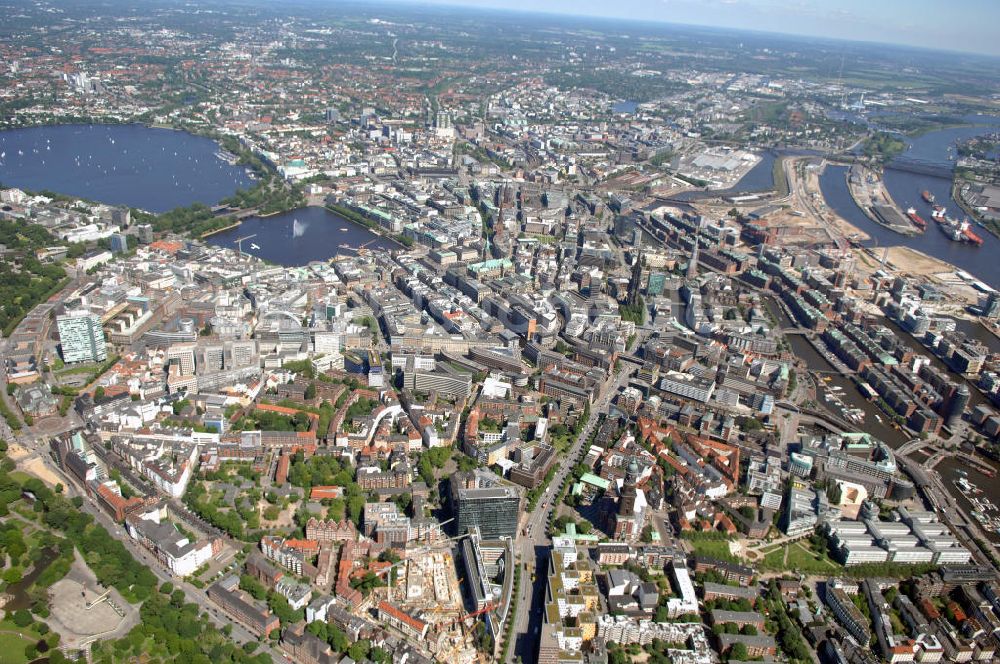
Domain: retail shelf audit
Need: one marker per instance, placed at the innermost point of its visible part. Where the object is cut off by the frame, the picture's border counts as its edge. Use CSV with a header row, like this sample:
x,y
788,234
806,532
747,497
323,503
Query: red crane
x,y
475,614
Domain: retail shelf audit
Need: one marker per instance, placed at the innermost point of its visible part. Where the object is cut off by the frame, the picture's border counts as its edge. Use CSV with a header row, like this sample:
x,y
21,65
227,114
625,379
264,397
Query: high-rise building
x,y
692,268
183,356
81,337
119,243
991,309
635,282
145,233
242,354
479,501
121,216
959,402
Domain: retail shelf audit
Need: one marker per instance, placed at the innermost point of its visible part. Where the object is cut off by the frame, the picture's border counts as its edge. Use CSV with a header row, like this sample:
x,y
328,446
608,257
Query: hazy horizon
x,y
966,26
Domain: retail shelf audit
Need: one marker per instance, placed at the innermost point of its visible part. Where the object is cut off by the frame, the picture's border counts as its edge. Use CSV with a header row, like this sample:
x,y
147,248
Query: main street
x,y
533,541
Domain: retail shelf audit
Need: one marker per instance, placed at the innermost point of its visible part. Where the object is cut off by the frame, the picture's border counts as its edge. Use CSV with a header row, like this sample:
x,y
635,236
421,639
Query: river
x,y
301,236
978,261
135,165
905,188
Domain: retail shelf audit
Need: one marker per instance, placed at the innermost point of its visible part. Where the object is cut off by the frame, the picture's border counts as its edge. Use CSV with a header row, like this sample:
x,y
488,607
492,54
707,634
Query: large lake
x,y
135,165
300,236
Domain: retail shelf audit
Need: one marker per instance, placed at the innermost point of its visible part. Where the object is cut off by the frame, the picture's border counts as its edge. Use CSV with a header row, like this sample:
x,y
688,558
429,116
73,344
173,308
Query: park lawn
x,y
774,559
79,369
20,476
713,548
11,645
800,559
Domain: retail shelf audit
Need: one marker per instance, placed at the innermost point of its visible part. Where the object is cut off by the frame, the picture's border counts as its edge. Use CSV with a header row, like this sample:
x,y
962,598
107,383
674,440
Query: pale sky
x,y
952,25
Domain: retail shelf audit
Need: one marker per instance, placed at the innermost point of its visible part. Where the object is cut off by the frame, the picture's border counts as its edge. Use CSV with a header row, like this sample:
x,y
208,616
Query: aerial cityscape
x,y
362,332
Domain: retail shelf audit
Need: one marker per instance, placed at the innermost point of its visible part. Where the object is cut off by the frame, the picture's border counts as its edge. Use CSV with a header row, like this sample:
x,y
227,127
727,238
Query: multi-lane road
x,y
533,541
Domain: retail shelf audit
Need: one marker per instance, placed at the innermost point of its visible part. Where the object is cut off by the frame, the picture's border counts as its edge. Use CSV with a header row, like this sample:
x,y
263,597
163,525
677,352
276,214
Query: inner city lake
x,y
144,167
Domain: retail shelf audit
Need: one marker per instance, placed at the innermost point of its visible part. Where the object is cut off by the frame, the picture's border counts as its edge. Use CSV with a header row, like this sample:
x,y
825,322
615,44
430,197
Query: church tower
x,y
626,501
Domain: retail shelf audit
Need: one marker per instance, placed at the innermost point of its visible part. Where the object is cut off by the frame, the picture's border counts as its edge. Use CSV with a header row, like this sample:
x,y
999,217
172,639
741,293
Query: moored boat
x,y
917,220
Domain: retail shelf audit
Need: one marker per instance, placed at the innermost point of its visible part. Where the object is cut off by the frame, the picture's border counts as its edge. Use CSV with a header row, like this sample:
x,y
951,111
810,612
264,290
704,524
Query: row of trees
x,y
634,312
238,523
359,651
789,636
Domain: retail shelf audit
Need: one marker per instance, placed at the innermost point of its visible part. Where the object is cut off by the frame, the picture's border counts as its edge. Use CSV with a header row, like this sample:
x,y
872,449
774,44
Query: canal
x,y
838,395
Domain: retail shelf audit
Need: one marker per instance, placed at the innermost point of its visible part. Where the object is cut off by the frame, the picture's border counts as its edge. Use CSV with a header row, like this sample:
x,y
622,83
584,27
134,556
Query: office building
x,y
81,337
478,499
119,243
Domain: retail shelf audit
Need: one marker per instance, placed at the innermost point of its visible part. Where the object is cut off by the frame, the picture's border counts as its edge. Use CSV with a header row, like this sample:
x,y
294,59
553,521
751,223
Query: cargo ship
x,y
938,213
927,196
917,220
959,231
970,235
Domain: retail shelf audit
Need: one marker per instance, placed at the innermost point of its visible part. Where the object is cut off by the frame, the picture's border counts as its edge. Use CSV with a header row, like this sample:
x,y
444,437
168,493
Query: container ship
x,y
917,220
927,196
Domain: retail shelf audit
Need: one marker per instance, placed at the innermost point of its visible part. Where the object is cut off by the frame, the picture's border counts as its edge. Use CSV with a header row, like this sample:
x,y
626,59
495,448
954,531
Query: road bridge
x,y
921,167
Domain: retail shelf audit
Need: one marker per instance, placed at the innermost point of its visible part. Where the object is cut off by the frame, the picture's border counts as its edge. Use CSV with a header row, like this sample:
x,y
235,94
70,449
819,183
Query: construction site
x,y
427,590
451,594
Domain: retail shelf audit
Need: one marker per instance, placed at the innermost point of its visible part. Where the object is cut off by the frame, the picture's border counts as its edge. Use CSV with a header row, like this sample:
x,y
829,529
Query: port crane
x,y
239,241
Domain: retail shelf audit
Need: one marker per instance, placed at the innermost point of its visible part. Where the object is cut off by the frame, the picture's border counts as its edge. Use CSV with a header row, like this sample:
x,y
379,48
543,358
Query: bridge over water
x,y
921,167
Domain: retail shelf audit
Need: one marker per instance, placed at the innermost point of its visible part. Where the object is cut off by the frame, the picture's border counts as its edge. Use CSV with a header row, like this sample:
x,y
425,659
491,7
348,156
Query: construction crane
x,y
239,241
475,614
422,549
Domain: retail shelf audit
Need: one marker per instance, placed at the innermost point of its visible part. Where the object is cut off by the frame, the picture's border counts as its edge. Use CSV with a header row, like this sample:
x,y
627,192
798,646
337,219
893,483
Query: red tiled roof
x,y
302,544
390,610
